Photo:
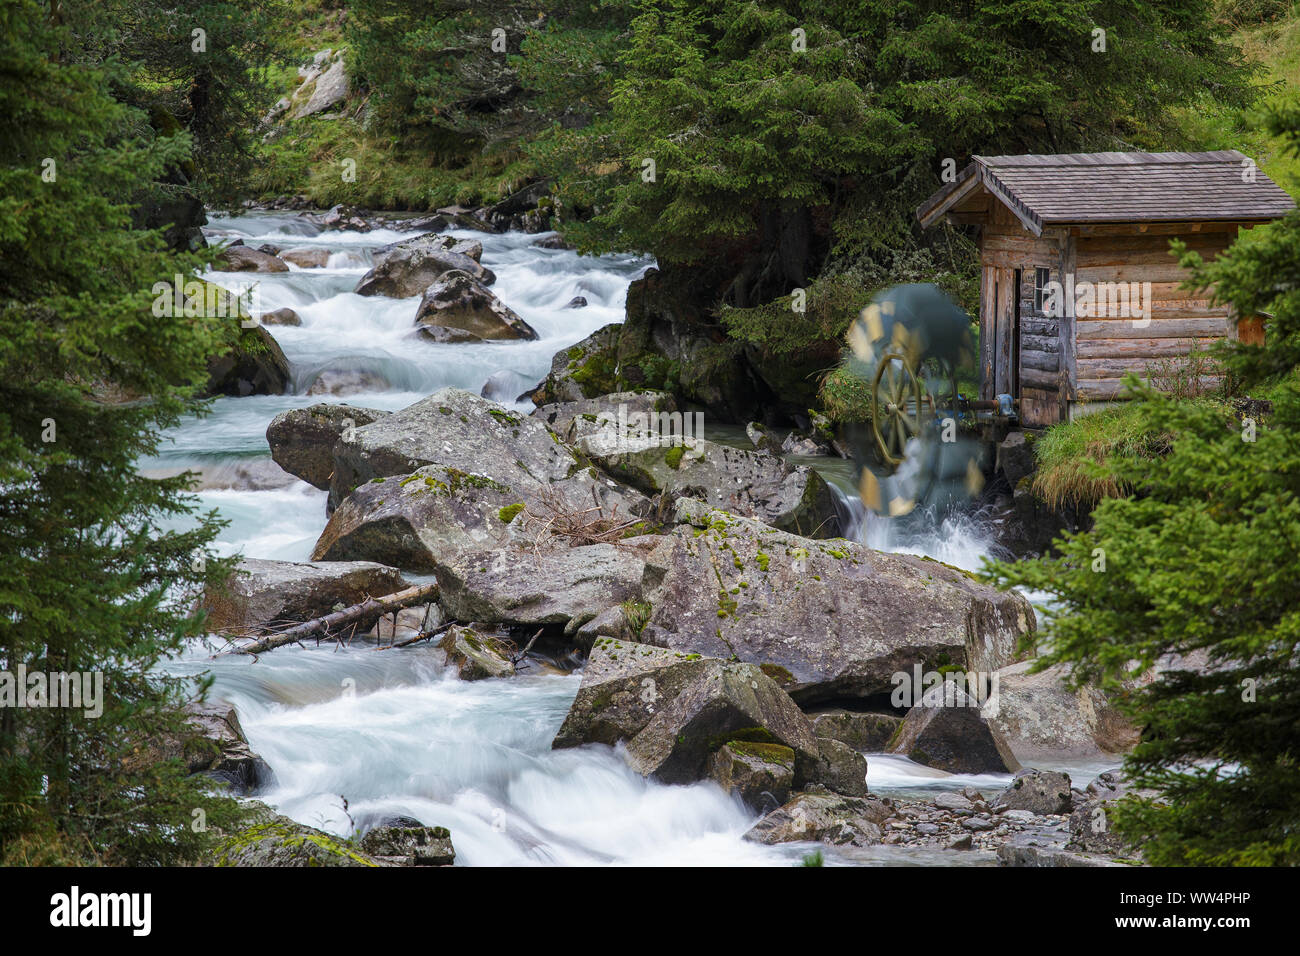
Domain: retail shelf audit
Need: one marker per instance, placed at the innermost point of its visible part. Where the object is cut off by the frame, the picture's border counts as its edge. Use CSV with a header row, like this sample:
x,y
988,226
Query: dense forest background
x,y
755,149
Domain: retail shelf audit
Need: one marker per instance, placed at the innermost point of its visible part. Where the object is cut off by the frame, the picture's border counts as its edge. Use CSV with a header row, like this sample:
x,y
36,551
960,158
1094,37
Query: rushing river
x,y
394,732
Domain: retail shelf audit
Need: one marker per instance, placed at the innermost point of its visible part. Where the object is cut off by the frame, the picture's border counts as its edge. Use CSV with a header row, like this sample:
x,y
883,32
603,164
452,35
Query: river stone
x,y
280,317
213,743
717,701
474,655
760,774
864,732
302,439
1028,849
824,818
790,497
674,710
944,730
456,307
263,593
254,365
416,521
307,257
1040,716
243,258
1091,825
411,845
586,369
620,689
567,586
1037,791
347,381
827,619
457,429
763,438
274,840
409,267
575,420
843,769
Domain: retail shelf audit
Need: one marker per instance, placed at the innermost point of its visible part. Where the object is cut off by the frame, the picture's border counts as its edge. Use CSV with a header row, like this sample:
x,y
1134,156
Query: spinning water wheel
x,y
899,401
906,349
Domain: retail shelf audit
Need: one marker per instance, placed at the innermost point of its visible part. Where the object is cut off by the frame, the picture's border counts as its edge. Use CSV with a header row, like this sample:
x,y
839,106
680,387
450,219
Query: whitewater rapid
x,y
357,734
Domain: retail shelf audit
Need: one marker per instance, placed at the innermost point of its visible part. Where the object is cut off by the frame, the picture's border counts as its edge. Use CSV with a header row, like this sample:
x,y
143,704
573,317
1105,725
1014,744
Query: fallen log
x,y
376,607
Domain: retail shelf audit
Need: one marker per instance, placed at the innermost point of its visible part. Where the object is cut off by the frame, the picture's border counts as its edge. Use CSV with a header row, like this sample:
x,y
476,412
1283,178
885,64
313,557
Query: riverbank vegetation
x,y
1194,571
770,156
108,130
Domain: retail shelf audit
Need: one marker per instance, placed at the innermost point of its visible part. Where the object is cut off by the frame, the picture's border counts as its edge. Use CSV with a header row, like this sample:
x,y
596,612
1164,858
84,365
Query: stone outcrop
x,y
407,268
264,593
827,619
944,730
302,439
456,307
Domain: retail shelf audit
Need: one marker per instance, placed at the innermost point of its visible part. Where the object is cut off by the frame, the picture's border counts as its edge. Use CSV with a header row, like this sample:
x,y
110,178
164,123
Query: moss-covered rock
x,y
475,655
302,439
760,774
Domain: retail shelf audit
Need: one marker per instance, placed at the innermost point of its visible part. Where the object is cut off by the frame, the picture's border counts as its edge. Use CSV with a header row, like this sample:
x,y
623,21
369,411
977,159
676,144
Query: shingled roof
x,y
1116,187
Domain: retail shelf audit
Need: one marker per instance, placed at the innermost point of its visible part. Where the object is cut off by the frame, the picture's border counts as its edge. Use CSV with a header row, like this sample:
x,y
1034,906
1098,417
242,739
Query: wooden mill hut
x,y
1078,284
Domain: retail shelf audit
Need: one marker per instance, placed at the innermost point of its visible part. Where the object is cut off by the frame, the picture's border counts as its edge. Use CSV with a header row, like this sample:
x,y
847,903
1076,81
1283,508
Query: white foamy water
x,y
393,732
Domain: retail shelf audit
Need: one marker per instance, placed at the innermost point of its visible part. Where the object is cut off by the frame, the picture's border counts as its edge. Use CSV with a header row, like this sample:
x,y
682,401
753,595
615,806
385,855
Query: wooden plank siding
x,y
1107,346
1099,218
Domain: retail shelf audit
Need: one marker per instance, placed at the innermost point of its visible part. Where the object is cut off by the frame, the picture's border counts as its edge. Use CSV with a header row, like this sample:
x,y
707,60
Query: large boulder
x,y
302,439
270,839
760,774
793,498
407,842
586,369
456,307
1038,791
409,267
863,731
568,586
254,364
264,593
843,769
242,258
324,85
418,520
1041,716
824,817
212,743
457,429
944,730
575,420
674,711
828,619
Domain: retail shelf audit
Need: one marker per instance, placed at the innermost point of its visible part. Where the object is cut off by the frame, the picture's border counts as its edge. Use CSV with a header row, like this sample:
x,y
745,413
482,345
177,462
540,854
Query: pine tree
x,y
1200,574
90,579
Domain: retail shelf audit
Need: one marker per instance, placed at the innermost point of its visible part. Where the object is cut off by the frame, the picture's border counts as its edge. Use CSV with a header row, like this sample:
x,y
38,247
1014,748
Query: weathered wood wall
x,y
1110,346
1064,359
